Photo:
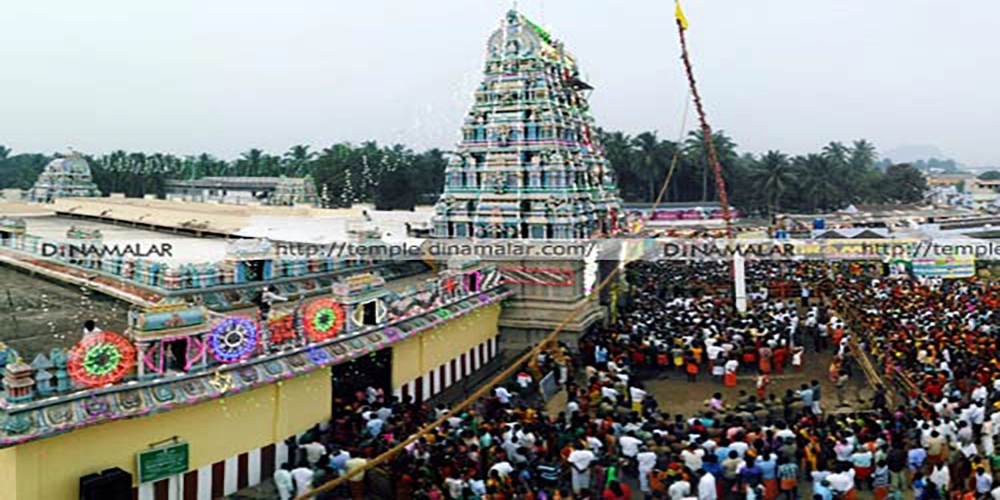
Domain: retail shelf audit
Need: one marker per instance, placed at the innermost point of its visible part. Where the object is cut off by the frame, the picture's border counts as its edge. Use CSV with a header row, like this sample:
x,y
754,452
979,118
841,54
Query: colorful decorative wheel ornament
x,y
232,340
323,319
101,359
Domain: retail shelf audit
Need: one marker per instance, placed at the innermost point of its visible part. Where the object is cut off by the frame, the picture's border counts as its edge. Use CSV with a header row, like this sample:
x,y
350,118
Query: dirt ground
x,y
678,396
37,315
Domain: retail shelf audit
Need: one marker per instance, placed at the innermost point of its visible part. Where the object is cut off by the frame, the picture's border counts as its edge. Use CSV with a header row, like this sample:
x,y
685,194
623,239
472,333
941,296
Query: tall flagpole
x,y
739,268
706,130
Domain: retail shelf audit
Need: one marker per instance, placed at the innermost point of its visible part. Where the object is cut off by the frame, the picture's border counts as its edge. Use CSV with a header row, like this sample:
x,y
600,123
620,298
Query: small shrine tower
x,y
66,177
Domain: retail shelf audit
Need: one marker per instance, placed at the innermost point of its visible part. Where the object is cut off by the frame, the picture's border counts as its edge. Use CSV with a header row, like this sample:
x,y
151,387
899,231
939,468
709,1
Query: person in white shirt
x,y
732,365
941,477
503,395
841,482
90,328
630,445
478,487
679,490
571,408
609,393
303,477
647,461
524,380
979,394
502,468
706,487
455,486
594,444
372,394
692,457
314,452
977,415
580,460
636,394
713,352
739,447
283,481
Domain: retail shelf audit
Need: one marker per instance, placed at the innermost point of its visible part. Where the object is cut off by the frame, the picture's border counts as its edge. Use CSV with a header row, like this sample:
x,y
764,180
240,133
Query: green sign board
x,y
162,462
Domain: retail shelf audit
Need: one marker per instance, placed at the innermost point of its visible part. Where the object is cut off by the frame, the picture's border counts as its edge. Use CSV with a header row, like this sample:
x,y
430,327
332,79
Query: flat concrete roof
x,y
300,223
184,249
13,208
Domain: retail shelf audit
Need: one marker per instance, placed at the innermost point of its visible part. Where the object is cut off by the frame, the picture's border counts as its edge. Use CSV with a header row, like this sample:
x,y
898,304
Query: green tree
x,y
332,171
298,161
773,176
903,184
863,155
20,171
817,188
618,150
428,174
696,151
394,190
992,175
649,163
250,163
837,152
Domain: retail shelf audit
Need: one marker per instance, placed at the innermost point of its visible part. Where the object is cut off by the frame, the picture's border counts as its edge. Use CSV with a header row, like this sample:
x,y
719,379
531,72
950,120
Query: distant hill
x,y
913,152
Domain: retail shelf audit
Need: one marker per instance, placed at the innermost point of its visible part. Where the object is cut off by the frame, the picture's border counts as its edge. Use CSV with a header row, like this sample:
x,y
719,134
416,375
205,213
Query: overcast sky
x,y
223,76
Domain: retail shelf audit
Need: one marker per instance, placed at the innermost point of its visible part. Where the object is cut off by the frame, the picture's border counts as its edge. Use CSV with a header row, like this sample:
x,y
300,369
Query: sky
x,y
224,76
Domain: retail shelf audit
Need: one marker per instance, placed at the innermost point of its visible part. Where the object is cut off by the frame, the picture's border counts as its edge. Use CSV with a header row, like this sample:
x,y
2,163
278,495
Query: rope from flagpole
x,y
677,154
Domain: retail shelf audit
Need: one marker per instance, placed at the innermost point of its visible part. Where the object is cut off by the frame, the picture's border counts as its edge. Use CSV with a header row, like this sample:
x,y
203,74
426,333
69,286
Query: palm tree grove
x,y
396,177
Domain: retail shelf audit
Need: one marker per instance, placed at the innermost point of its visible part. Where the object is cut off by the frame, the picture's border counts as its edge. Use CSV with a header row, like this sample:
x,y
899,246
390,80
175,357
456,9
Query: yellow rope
x,y
507,373
677,155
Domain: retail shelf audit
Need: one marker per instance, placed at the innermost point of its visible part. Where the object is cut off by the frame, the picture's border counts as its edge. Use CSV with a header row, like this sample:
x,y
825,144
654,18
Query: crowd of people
x,y
615,441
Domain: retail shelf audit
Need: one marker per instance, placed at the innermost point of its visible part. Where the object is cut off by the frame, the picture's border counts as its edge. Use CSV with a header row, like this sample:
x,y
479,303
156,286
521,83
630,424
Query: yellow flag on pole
x,y
681,19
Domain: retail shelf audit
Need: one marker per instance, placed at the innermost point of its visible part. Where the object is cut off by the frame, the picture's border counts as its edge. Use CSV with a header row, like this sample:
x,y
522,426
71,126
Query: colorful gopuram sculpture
x,y
529,164
292,191
64,178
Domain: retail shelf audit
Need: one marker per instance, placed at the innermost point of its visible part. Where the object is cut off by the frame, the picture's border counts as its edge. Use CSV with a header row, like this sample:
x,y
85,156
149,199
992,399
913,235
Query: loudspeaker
x,y
118,485
112,484
90,486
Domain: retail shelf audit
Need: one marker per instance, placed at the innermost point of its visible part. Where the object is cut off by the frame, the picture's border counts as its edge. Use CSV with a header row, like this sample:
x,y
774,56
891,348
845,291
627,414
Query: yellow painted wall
x,y
426,351
407,360
50,468
8,472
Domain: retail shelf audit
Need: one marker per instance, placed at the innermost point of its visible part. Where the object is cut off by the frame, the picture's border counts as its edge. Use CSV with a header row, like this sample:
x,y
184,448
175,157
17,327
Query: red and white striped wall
x,y
444,376
249,469
219,479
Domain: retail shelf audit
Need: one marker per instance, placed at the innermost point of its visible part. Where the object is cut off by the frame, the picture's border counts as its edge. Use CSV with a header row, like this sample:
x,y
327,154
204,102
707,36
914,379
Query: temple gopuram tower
x,y
529,164
530,167
64,178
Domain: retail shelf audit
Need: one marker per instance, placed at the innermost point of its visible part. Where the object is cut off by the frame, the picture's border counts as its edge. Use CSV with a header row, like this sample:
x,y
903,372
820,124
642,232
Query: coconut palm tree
x,y
696,151
298,160
271,165
836,152
773,175
250,163
863,155
817,183
620,154
649,162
